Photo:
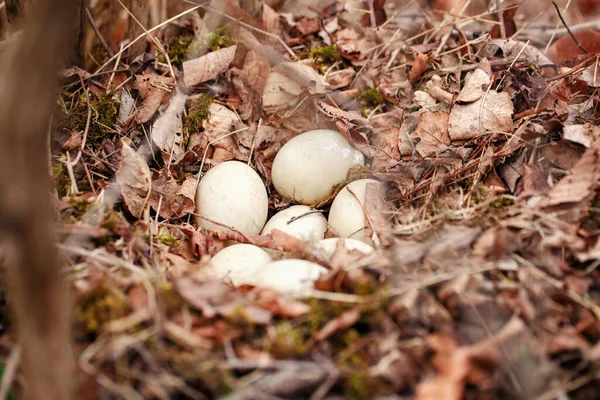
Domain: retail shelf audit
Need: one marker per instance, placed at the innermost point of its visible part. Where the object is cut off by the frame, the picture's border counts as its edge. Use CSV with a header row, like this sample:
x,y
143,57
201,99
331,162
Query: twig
x,y
568,29
97,32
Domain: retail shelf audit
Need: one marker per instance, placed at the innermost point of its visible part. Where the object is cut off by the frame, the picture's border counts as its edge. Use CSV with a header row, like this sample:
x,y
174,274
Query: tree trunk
x,y
141,12
18,10
38,295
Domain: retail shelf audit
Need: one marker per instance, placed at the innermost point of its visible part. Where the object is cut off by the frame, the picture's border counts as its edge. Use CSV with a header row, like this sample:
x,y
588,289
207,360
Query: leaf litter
x,y
485,281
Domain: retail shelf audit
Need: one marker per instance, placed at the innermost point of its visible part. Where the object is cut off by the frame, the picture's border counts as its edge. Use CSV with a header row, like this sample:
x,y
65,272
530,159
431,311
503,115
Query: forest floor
x,y
483,128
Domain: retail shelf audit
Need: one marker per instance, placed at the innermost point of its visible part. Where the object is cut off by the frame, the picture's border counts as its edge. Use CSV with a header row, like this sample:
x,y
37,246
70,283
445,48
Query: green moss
x,y
325,55
177,50
214,41
288,341
100,306
198,112
103,116
371,97
357,387
169,296
60,176
165,237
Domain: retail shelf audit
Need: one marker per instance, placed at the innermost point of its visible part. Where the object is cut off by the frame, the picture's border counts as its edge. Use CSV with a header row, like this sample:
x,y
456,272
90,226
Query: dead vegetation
x,y
481,120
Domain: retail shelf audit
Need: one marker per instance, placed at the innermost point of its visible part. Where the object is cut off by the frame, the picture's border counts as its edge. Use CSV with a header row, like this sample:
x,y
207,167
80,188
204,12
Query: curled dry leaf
x,y
378,212
565,48
152,88
216,129
490,114
249,83
175,200
432,130
207,67
419,67
343,321
134,178
587,135
476,84
167,130
287,82
218,298
574,193
340,79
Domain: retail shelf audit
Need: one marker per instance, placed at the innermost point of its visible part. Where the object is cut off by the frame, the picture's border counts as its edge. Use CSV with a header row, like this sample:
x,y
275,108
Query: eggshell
x,y
239,263
290,276
329,245
308,166
346,216
232,194
309,227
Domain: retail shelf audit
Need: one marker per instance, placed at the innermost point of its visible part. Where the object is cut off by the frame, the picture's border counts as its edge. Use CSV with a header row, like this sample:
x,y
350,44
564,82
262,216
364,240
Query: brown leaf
x,y
167,131
343,321
490,114
287,82
432,130
308,25
279,305
565,48
176,200
340,79
216,129
207,67
419,67
476,84
249,83
378,211
573,194
135,179
587,135
152,88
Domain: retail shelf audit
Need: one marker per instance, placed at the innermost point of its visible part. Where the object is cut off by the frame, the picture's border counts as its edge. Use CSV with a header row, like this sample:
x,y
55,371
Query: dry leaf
x,y
419,67
287,82
135,179
579,185
167,130
476,84
152,88
468,121
249,83
343,321
587,135
175,200
432,130
207,67
565,48
216,131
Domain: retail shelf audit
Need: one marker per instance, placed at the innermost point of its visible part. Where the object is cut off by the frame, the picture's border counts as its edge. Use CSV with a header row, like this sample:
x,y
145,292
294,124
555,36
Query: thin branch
x,y
568,29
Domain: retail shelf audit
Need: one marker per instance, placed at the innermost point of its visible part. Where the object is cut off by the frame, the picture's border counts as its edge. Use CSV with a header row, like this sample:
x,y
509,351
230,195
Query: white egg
x,y
328,246
290,276
309,225
239,263
233,195
308,166
347,216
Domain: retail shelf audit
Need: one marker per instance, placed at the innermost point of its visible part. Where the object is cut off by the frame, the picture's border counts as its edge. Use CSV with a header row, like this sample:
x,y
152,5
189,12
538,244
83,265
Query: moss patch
x,y
325,54
177,50
198,112
214,41
104,115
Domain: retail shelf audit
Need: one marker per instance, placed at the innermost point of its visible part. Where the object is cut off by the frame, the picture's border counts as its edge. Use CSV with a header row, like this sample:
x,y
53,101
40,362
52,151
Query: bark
x,y
141,12
39,298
